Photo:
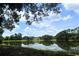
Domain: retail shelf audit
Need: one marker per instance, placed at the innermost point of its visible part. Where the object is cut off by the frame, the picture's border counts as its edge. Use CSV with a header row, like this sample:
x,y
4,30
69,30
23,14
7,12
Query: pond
x,y
46,45
31,47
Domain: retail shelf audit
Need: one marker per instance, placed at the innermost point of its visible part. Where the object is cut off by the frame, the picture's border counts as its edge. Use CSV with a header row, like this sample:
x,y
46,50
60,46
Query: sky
x,y
50,25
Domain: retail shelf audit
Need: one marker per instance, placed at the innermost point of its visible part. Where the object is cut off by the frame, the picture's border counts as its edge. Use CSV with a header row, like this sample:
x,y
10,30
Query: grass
x,y
14,40
34,40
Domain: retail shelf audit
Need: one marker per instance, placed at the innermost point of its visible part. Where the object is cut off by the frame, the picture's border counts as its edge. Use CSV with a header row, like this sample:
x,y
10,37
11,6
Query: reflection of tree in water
x,y
67,40
46,42
63,44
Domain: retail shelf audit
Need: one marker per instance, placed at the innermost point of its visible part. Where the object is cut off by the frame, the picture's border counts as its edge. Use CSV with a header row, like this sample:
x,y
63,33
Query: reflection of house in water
x,y
76,30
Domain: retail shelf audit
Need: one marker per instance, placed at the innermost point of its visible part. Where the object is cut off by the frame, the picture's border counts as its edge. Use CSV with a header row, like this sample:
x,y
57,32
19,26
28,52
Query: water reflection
x,y
43,47
28,42
13,43
45,44
67,45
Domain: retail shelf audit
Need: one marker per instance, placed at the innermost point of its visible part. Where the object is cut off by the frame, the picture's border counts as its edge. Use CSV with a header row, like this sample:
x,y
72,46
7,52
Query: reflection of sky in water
x,y
43,47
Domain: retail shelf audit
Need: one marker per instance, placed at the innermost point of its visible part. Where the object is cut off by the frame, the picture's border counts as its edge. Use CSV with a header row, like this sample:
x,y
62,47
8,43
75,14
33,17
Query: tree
x,y
28,38
7,38
62,36
1,38
37,10
16,36
12,37
47,37
1,32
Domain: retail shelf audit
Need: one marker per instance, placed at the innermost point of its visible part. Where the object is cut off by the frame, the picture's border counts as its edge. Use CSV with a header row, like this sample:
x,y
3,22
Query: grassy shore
x,y
34,40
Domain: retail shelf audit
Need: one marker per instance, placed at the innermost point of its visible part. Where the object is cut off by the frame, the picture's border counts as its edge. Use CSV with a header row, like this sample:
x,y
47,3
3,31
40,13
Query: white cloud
x,y
46,25
72,6
55,18
39,32
6,33
68,17
22,19
16,25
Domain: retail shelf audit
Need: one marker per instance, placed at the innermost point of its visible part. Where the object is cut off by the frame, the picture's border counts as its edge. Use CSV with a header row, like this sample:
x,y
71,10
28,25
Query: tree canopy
x,y
12,11
47,37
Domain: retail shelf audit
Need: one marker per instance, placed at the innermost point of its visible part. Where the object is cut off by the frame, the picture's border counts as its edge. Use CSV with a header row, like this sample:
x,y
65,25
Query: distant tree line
x,y
20,37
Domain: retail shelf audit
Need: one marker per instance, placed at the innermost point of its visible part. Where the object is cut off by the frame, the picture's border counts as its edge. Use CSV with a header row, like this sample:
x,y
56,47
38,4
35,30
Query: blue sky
x,y
51,25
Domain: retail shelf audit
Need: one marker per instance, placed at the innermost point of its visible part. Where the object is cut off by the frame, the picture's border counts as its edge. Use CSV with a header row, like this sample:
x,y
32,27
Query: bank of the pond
x,y
19,51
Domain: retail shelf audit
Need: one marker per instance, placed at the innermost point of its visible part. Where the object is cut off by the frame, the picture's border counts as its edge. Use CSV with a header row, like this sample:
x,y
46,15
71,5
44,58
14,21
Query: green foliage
x,y
7,38
28,38
47,37
68,38
11,9
1,38
62,36
16,37
1,31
